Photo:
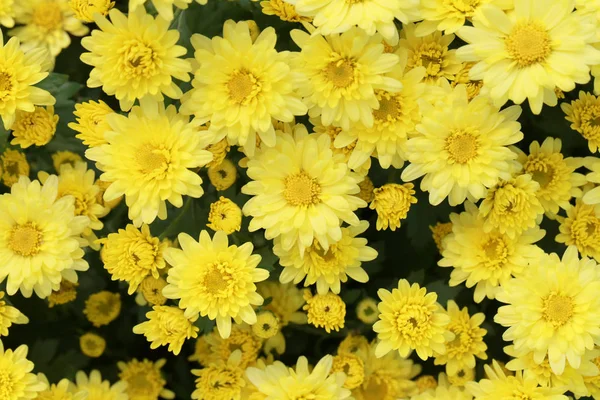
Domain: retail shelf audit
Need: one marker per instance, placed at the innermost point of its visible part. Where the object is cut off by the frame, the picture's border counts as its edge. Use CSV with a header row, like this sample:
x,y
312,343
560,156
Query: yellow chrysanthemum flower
x,y
280,382
96,389
512,206
439,231
353,343
241,85
554,172
65,157
508,387
46,24
462,77
21,69
340,80
353,366
327,268
224,216
224,380
583,114
84,10
214,279
366,310
17,380
167,326
102,308
552,309
285,11
266,326
92,345
132,255
135,57
213,349
164,7
151,290
392,202
13,164
581,228
429,51
222,176
326,311
301,200
411,319
366,190
462,376
144,380
219,151
9,315
425,383
486,260
42,232
65,294
468,340
7,13
63,390
149,158
524,55
91,122
34,128
467,153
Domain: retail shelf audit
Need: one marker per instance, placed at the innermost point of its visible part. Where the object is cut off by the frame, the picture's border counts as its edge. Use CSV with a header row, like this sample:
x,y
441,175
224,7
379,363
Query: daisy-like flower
x,y
7,13
337,16
468,340
280,382
342,73
91,122
131,255
39,230
149,158
95,388
486,260
327,269
13,164
431,52
214,279
84,10
499,385
65,157
552,309
21,70
583,113
46,24
213,349
34,128
526,52
301,192
267,325
512,206
144,379
17,380
151,291
392,202
135,57
92,345
164,7
63,390
167,326
9,315
285,11
581,228
462,147
224,216
102,308
222,176
411,319
65,294
224,380
326,311
241,85
353,366
555,174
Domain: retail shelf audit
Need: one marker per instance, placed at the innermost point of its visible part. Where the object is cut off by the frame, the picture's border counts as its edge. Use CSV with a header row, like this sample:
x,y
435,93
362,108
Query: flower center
x,y
48,16
218,281
138,59
6,384
495,250
25,240
243,87
466,7
528,43
341,72
81,201
389,108
301,190
152,160
557,309
12,168
428,55
6,84
462,146
413,321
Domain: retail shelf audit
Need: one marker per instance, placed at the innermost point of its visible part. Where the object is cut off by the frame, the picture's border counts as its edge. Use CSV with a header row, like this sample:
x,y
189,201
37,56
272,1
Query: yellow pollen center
x,y
243,87
462,147
528,43
6,385
541,171
340,72
557,309
6,83
413,321
48,16
217,281
495,250
139,60
25,240
152,160
301,190
389,108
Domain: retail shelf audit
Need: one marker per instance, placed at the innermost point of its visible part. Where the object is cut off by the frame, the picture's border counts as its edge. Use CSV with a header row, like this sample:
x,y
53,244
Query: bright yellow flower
x,y
266,326
224,380
411,319
522,54
149,158
135,57
366,310
462,376
17,380
353,366
84,10
553,308
340,79
280,382
164,7
425,383
7,13
214,279
581,228
219,151
224,216
63,390
102,185
486,260
222,176
92,345
167,326
366,190
9,315
241,85
91,122
95,388
392,202
102,308
34,128
584,115
151,288
327,268
65,294
439,231
325,310
46,24
443,391
462,77
301,192
65,157
512,206
467,153
353,343
42,232
13,164
285,11
132,255
213,349
144,380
